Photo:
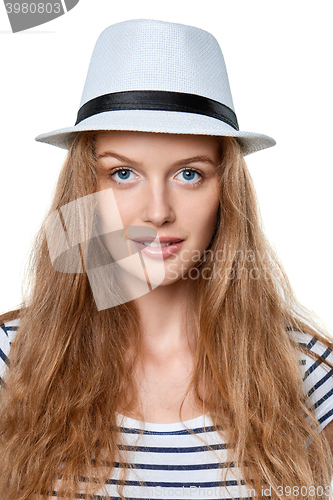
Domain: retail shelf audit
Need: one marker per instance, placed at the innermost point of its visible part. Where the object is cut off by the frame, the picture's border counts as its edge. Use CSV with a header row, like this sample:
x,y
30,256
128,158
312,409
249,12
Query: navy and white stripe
x,y
7,334
175,464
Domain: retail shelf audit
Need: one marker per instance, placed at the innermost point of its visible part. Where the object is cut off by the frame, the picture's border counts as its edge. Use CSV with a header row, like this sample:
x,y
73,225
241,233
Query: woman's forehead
x,y
143,142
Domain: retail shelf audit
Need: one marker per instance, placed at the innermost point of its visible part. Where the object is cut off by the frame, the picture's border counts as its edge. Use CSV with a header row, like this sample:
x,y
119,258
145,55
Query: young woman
x,y
160,351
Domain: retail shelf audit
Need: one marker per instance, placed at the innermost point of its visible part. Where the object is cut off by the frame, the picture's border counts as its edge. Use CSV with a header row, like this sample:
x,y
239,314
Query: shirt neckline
x,y
201,421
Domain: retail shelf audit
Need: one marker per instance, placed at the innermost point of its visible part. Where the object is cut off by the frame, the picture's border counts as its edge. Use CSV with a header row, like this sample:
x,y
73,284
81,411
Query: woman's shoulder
x,y
315,352
315,362
312,344
316,366
8,330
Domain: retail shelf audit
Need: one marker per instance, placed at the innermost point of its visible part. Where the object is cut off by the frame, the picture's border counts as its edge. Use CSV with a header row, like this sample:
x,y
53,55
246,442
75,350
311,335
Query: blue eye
x,y
189,175
123,175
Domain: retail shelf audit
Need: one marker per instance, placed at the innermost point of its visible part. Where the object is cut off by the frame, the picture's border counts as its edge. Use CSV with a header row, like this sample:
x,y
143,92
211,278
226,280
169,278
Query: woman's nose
x,y
157,205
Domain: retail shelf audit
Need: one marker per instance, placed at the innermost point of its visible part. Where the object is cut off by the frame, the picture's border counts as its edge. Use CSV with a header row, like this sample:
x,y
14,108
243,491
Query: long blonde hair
x,y
69,372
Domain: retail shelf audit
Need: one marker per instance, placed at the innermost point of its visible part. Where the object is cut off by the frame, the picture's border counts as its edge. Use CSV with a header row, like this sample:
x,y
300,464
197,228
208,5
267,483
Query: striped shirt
x,y
175,464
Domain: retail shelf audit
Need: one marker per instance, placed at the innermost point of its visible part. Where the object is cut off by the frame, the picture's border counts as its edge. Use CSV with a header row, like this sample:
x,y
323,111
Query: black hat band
x,y
159,100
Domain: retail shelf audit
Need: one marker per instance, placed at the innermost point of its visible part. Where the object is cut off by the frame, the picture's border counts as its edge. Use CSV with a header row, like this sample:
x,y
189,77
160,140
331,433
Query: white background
x,y
279,60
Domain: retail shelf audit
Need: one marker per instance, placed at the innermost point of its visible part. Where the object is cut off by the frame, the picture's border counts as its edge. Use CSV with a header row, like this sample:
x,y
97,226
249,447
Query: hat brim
x,y
168,122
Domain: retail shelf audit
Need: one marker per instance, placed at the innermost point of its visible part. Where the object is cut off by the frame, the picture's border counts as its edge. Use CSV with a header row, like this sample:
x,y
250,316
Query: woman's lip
x,y
161,239
159,253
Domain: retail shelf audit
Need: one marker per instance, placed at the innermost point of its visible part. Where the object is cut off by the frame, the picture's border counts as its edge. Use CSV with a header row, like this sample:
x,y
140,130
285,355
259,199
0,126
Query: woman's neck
x,y
164,366
167,320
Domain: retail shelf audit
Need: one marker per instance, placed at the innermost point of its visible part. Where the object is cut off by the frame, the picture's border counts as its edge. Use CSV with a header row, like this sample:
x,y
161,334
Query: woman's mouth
x,y
161,250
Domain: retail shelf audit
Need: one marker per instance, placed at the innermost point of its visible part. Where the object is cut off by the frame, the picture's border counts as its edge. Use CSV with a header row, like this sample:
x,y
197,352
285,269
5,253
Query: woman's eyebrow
x,y
118,157
185,161
195,159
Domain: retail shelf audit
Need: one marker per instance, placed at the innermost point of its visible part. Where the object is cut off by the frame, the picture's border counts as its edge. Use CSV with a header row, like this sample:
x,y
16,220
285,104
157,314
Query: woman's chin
x,y
171,279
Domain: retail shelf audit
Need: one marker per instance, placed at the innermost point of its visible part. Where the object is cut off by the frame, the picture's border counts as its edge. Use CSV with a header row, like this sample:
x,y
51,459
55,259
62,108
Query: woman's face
x,y
164,184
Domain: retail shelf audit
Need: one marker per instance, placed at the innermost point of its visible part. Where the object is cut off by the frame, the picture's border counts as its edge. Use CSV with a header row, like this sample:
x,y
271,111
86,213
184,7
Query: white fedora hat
x,y
155,76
